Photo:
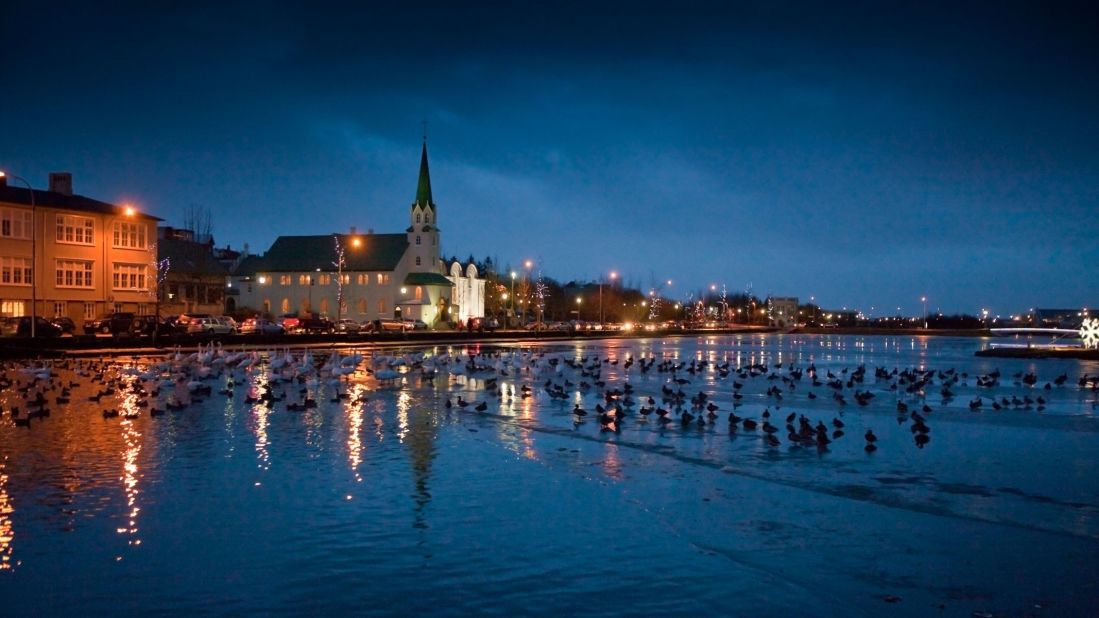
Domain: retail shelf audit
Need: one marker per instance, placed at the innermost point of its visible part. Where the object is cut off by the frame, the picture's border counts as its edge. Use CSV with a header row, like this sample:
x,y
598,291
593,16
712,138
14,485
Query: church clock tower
x,y
423,235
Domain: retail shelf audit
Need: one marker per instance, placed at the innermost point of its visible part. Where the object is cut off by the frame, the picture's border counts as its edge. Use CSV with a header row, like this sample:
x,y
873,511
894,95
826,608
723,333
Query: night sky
x,y
860,153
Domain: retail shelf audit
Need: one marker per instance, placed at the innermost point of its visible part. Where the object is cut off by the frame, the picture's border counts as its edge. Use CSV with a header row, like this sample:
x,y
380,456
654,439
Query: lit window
x,y
15,271
75,230
89,311
15,223
128,277
129,235
58,310
73,274
285,305
284,279
360,306
13,308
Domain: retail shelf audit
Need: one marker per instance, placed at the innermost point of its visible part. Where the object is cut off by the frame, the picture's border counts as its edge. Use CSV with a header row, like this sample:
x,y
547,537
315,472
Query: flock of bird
x,y
691,394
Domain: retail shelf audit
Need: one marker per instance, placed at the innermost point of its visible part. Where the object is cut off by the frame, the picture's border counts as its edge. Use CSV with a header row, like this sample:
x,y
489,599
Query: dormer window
x,y
417,217
427,219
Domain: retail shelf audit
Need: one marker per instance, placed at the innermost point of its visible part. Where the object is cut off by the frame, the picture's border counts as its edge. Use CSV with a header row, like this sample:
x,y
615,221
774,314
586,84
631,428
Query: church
x,y
364,276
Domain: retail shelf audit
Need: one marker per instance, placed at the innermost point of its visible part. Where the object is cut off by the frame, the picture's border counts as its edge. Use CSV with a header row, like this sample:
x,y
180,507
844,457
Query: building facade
x,y
782,311
361,276
92,257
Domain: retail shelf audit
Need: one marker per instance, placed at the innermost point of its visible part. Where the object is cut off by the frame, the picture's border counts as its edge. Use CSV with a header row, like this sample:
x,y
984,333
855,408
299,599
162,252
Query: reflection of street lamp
x,y
614,275
511,313
34,252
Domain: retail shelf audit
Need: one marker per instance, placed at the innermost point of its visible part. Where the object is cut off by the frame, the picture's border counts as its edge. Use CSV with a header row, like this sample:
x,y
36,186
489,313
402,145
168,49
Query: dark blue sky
x,y
861,153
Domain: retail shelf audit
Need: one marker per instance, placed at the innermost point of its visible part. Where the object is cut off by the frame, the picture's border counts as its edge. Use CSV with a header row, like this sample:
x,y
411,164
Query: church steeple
x,y
423,187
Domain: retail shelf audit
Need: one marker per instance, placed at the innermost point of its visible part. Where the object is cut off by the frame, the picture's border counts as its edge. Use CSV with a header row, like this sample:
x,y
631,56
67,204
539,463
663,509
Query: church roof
x,y
423,187
427,279
379,252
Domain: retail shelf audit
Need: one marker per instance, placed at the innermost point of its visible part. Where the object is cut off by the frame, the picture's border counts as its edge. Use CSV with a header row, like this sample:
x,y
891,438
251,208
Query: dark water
x,y
400,505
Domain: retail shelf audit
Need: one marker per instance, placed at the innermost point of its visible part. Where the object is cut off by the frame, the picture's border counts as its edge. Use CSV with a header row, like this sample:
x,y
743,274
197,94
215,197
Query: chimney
x,y
352,230
61,182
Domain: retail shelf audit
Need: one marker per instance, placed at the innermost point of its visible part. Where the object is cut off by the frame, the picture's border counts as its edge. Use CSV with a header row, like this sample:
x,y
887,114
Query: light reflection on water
x,y
519,510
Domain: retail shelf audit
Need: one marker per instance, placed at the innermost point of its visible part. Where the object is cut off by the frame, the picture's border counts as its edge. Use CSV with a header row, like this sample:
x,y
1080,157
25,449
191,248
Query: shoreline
x,y
91,346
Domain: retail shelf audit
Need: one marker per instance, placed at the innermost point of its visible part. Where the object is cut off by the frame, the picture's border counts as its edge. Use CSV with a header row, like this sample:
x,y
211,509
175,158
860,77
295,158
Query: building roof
x,y
423,187
427,279
52,199
380,252
188,258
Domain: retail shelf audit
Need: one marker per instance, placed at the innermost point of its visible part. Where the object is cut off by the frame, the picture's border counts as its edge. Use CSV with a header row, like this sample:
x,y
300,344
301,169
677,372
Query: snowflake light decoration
x,y
1089,332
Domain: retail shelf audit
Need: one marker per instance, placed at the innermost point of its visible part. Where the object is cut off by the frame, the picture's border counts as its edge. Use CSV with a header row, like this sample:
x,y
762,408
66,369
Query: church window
x,y
417,260
417,217
417,239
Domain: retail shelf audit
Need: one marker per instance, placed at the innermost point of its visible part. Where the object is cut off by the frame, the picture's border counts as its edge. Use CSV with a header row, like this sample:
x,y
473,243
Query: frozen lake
x,y
388,501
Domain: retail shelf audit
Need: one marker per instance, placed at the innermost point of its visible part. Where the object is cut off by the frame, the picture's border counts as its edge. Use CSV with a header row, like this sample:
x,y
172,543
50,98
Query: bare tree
x,y
200,221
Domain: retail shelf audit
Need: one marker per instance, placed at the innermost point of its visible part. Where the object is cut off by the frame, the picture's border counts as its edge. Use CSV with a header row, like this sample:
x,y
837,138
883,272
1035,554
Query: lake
x,y
382,499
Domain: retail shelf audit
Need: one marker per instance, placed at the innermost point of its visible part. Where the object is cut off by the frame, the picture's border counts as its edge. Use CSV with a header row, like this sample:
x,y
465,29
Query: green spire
x,y
423,187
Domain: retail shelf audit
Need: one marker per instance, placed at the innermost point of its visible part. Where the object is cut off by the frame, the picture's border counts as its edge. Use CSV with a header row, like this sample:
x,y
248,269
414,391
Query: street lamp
x,y
923,299
34,253
578,303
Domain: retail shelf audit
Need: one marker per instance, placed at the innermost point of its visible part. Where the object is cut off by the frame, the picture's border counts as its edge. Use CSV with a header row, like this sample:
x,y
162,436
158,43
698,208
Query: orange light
x,y
356,242
129,211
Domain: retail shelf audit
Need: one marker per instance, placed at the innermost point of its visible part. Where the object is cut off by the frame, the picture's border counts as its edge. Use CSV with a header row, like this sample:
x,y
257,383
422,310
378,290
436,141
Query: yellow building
x,y
93,257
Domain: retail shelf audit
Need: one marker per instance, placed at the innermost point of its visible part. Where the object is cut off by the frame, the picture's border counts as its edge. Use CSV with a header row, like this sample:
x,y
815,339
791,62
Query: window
x,y
324,306
325,279
360,306
74,274
303,280
417,260
381,305
427,218
129,235
417,217
89,311
142,309
284,279
58,310
363,279
118,307
128,277
15,271
417,239
15,223
346,279
75,230
383,278
267,305
13,308
285,306
419,292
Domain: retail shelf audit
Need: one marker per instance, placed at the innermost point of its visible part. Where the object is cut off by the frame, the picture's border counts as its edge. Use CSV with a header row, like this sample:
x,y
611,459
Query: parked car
x,y
21,327
66,324
347,325
483,324
231,322
109,324
261,326
146,325
415,325
386,324
205,324
313,323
